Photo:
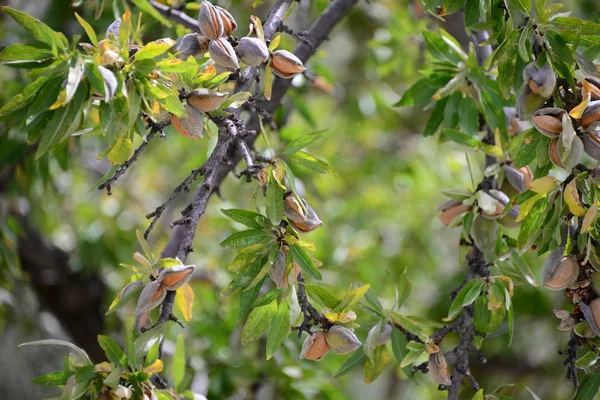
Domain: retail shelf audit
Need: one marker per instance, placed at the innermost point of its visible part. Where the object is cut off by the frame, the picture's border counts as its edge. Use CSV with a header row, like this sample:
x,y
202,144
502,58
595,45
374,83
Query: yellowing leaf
x,y
341,317
571,196
275,43
62,97
120,151
586,94
543,185
527,205
590,216
154,49
184,298
156,367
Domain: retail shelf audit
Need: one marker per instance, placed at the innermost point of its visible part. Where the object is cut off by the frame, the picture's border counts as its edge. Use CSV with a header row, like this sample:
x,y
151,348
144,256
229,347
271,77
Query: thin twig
x,y
154,129
177,16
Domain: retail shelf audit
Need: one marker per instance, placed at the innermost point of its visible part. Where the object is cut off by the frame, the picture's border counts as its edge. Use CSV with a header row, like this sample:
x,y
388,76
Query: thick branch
x,y
177,16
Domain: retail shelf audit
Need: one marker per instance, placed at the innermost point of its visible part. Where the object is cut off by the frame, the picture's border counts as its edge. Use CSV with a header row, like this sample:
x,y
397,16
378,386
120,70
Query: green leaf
x,y
44,99
274,201
258,321
423,90
247,238
527,152
442,49
146,340
588,387
578,25
153,49
248,300
457,304
356,358
88,29
436,117
305,261
468,116
80,353
403,288
279,328
178,371
268,297
146,7
531,227
478,395
23,99
303,141
113,352
466,140
374,367
373,301
409,324
22,53
322,296
57,378
145,247
313,163
38,29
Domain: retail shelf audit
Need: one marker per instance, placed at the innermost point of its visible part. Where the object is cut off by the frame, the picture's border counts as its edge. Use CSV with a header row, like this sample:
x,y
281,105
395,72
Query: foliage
x,y
534,194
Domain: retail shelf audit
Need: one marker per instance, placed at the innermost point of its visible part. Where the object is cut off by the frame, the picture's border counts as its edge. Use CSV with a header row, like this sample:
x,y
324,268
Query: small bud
x,y
192,45
451,209
190,127
285,64
209,19
277,271
559,272
152,295
175,277
252,51
315,347
439,369
114,29
342,340
223,54
304,221
229,23
206,100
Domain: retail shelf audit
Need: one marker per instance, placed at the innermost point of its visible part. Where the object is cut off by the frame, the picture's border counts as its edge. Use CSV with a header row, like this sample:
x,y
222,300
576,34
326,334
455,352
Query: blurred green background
x,y
61,241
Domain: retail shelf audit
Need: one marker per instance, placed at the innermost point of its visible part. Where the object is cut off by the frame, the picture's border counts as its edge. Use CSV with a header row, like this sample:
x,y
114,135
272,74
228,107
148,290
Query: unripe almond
x,y
252,51
439,369
559,272
152,295
591,144
449,213
342,340
175,277
210,22
591,114
304,221
192,45
223,54
206,100
229,23
595,307
277,270
553,153
315,347
285,64
190,127
547,124
541,81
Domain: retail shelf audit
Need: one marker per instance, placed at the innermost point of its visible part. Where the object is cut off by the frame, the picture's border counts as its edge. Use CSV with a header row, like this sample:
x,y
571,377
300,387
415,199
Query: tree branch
x,y
177,16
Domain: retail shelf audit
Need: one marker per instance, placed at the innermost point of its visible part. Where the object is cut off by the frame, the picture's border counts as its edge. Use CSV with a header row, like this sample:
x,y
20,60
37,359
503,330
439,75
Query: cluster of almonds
x,y
152,294
338,338
566,147
216,26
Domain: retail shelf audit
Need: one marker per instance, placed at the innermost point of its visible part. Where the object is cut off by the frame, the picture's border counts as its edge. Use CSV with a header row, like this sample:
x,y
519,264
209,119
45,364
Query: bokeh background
x,y
61,241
